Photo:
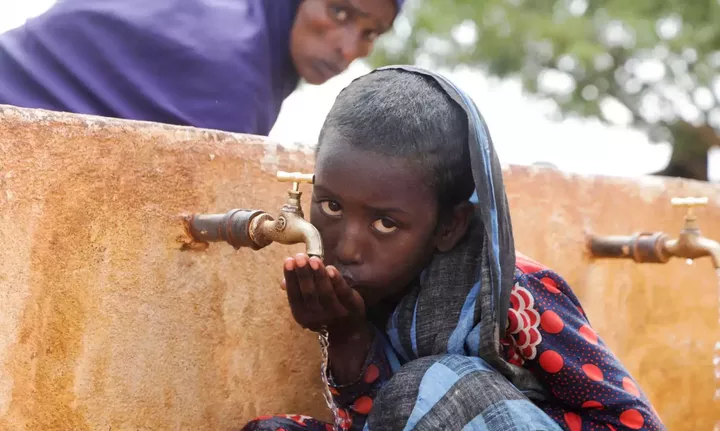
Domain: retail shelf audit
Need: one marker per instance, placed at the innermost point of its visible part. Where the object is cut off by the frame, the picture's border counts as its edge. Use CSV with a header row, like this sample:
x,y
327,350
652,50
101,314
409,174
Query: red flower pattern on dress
x,y
523,322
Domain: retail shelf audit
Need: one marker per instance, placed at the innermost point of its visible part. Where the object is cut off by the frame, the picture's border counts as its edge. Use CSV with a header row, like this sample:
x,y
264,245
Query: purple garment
x,y
219,64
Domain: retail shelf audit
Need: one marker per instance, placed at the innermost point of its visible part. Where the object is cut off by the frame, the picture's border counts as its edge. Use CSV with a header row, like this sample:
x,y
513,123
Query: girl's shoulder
x,y
534,276
527,265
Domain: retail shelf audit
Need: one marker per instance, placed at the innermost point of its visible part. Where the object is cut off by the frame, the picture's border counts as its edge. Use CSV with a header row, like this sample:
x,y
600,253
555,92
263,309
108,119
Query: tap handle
x,y
295,178
689,203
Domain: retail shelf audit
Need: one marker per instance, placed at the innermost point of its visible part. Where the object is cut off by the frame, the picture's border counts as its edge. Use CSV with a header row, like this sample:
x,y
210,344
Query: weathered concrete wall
x,y
106,324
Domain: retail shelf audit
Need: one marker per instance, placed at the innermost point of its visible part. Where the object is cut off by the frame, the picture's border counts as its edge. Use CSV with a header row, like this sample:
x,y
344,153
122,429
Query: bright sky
x,y
519,125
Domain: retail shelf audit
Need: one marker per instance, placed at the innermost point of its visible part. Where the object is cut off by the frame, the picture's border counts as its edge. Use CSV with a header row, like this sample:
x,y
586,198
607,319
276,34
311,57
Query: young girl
x,y
433,321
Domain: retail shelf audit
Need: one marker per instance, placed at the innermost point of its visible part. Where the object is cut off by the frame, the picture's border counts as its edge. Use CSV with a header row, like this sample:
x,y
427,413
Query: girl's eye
x,y
338,13
384,225
331,208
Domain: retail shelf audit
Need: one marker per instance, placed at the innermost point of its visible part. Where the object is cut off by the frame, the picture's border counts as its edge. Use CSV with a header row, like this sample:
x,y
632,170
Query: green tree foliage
x,y
649,64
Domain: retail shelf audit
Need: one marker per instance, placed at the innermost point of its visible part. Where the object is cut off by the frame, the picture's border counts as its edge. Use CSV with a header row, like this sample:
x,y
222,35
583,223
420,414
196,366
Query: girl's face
x,y
377,218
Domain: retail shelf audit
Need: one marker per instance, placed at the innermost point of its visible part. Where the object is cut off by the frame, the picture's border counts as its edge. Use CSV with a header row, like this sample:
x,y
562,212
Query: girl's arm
x,y
552,337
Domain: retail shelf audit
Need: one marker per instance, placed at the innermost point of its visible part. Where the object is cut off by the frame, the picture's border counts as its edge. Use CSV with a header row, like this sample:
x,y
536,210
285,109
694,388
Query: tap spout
x,y
287,228
290,227
691,245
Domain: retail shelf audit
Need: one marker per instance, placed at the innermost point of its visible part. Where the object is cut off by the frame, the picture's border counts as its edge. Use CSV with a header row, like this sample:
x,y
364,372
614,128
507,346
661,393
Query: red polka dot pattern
x,y
551,322
363,405
630,386
550,285
592,405
551,362
371,373
588,334
593,372
632,419
573,421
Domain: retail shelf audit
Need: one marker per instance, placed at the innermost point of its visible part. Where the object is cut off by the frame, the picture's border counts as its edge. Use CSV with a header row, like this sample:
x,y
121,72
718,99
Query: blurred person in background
x,y
217,64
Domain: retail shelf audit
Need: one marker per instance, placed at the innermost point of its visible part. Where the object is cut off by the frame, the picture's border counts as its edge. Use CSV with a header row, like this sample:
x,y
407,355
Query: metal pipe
x,y
232,227
643,247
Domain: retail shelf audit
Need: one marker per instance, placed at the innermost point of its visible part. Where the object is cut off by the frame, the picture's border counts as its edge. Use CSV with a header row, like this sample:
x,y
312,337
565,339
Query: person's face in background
x,y
329,34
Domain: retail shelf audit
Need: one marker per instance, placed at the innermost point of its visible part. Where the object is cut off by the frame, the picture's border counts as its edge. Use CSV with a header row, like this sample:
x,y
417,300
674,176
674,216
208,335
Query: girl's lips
x,y
352,279
349,278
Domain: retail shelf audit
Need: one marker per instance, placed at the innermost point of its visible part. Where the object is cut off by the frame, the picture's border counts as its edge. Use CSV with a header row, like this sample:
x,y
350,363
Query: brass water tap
x,y
690,244
658,247
290,227
256,229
